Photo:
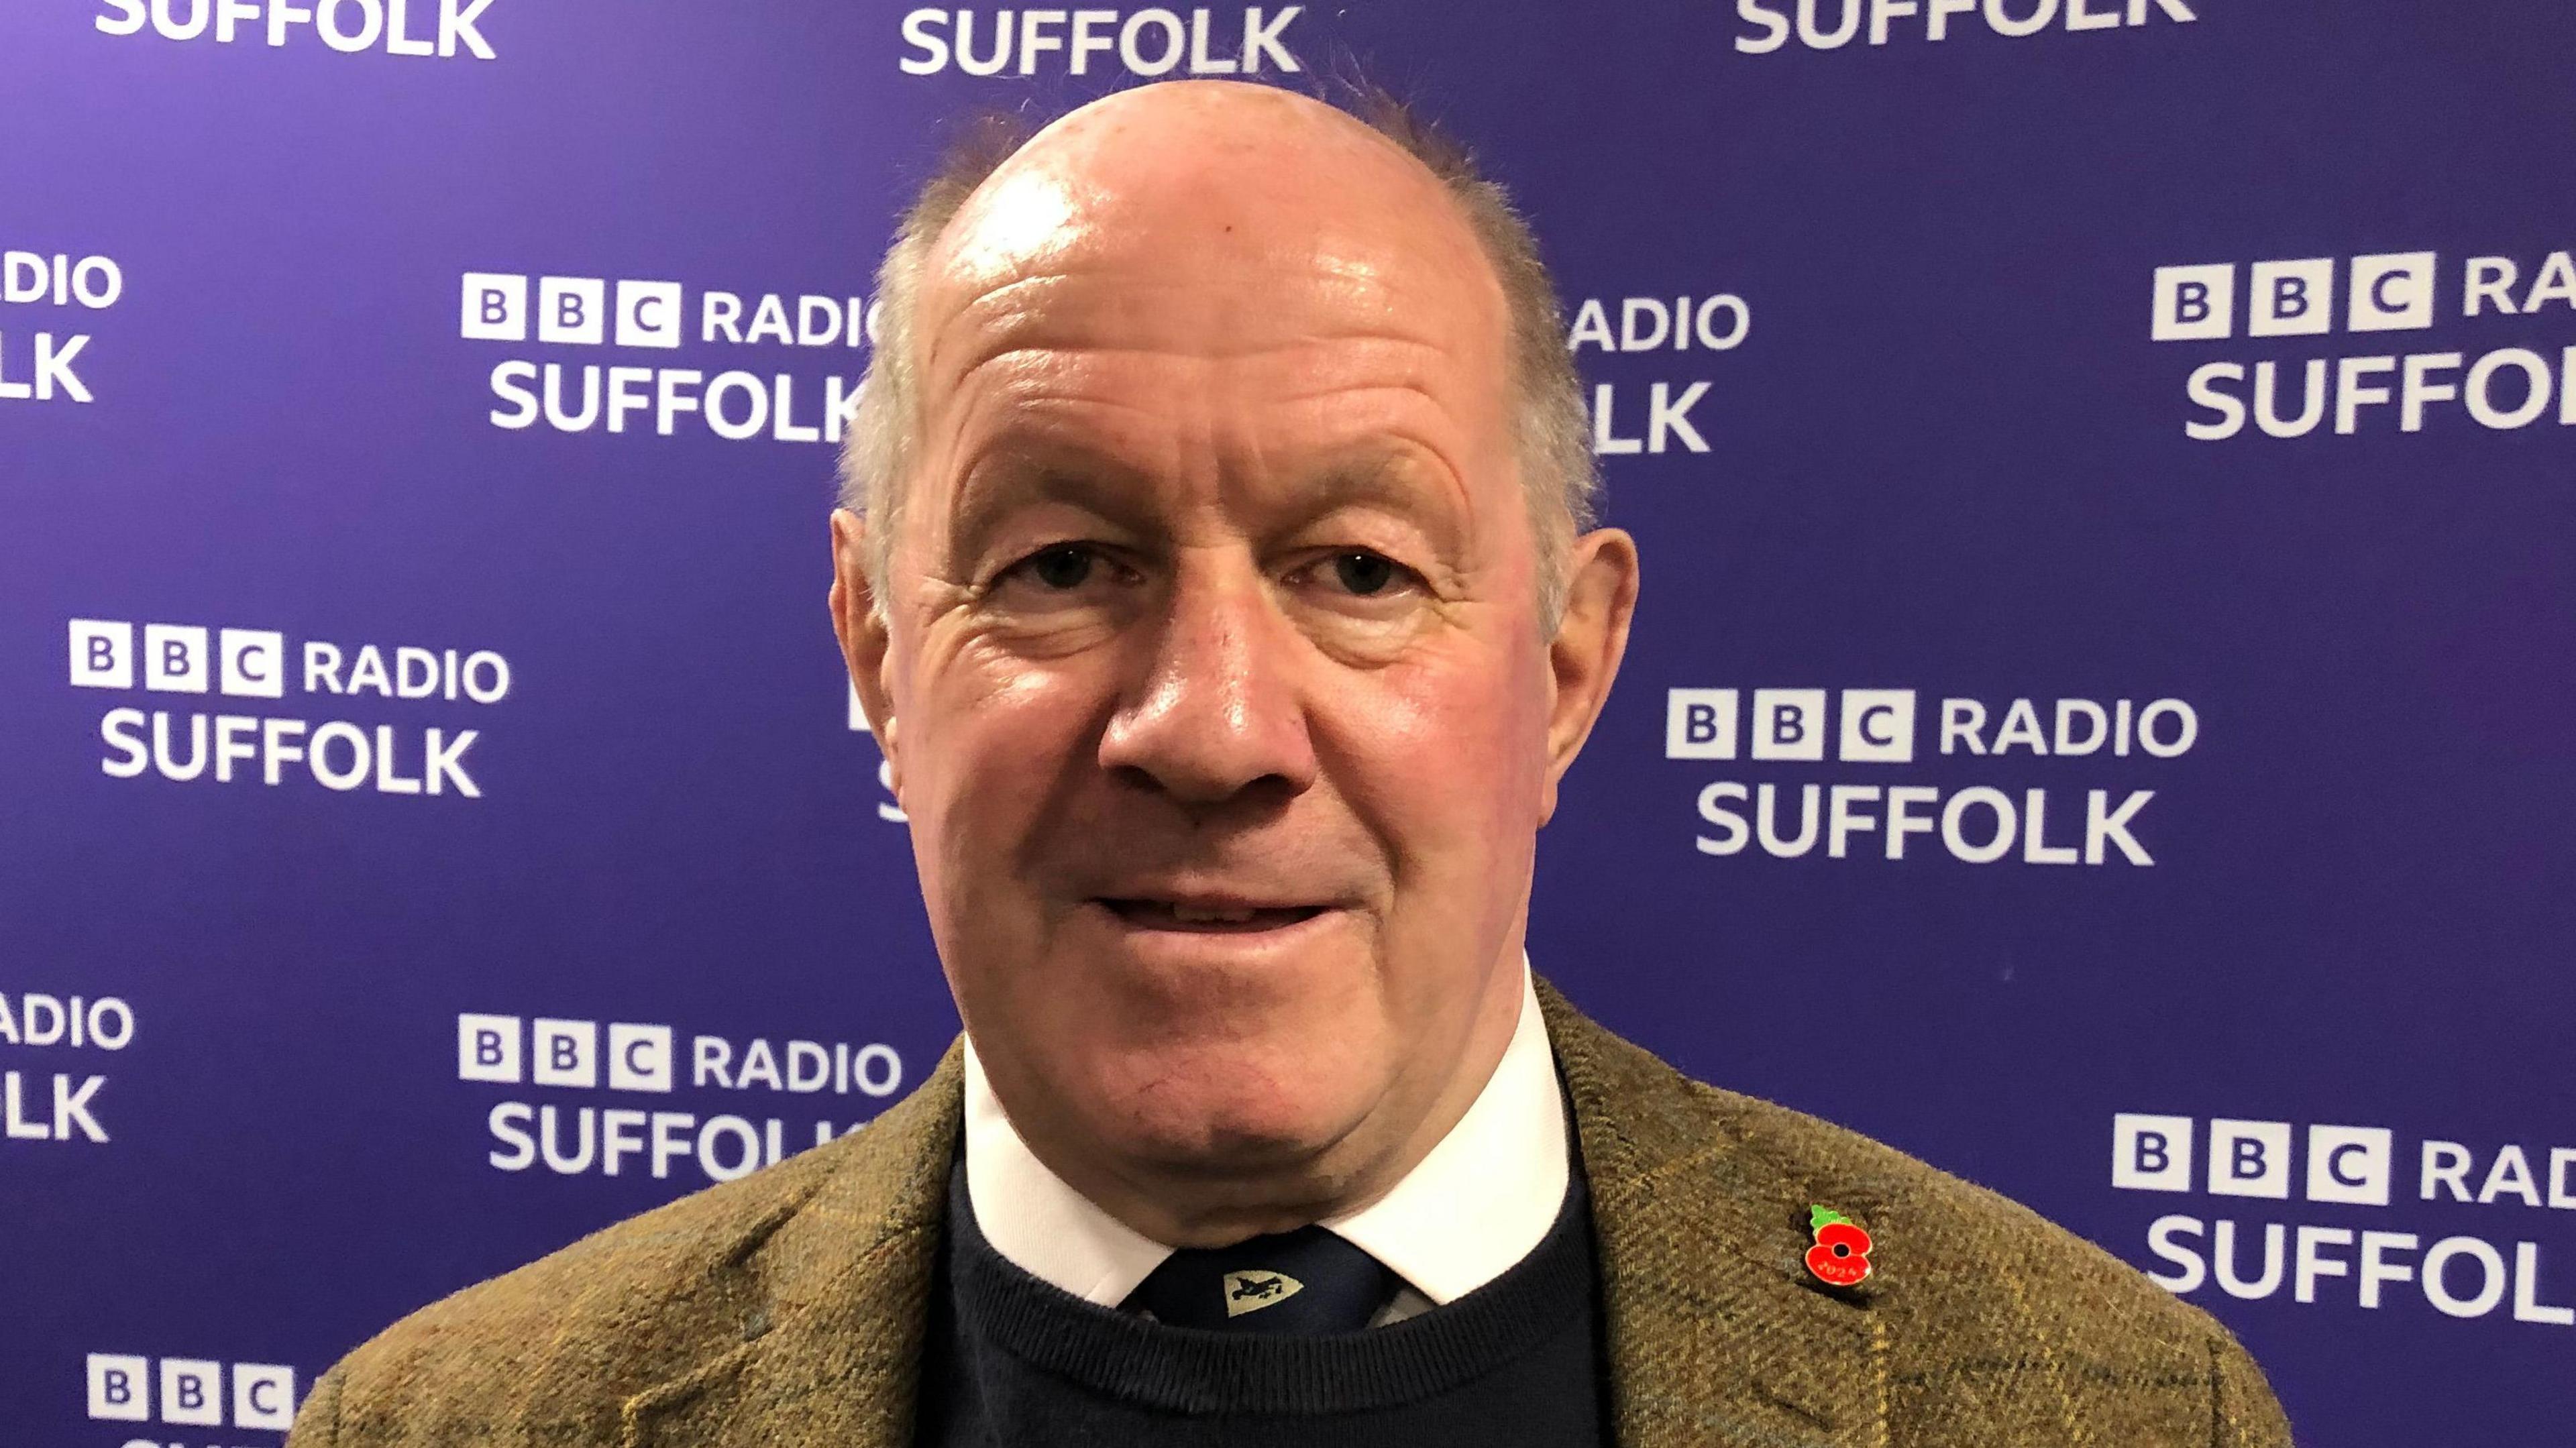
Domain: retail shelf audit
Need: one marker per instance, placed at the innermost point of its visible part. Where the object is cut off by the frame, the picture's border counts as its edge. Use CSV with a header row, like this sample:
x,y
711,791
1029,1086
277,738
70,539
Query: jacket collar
x,y
1715,1334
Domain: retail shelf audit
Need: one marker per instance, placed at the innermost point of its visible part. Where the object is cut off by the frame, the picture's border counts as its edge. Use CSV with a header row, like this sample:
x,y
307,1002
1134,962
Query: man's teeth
x,y
1194,915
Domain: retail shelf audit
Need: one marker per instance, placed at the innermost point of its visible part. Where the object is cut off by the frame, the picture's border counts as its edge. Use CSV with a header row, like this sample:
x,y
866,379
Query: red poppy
x,y
1840,1257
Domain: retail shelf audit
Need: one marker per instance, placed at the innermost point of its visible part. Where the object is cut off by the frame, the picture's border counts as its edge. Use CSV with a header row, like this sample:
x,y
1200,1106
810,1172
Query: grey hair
x,y
1559,481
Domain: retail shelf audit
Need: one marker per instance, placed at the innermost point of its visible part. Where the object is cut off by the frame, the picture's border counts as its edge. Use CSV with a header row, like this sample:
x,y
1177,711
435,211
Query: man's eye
x,y
1363,573
1064,566
1352,574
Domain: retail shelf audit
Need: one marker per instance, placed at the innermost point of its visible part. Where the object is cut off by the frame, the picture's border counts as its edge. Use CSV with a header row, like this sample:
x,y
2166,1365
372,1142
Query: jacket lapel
x,y
1716,1334
849,1278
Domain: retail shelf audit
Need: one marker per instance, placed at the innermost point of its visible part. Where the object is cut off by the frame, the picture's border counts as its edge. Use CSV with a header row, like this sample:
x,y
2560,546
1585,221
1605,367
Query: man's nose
x,y
1216,711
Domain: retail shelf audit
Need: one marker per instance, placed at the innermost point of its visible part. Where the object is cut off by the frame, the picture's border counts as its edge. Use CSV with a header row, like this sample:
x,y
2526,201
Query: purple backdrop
x,y
2097,718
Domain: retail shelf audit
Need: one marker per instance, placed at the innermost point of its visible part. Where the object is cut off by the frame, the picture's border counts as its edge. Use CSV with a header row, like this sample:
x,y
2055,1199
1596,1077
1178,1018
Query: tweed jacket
x,y
787,1309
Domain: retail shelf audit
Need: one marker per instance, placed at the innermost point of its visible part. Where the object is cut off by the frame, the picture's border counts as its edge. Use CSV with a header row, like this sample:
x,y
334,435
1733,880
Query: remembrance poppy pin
x,y
1840,1257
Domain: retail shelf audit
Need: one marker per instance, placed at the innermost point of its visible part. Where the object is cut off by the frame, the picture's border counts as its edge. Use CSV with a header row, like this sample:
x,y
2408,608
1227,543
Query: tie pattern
x,y
1305,1281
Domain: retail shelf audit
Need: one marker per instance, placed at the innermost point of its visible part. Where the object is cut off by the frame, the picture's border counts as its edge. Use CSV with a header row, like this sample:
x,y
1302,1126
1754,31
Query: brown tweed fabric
x,y
786,1310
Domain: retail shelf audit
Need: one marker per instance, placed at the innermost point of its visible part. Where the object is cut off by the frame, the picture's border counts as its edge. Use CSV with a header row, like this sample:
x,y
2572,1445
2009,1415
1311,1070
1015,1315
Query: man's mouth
x,y
1151,914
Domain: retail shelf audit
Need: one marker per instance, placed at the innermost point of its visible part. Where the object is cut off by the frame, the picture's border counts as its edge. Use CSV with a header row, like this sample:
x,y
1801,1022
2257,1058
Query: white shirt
x,y
1478,1203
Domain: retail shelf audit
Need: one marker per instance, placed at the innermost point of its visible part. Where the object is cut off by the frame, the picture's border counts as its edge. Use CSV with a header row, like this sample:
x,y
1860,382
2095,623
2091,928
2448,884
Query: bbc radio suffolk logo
x,y
1872,737
603,1099
256,735
2490,366
761,352
2461,1227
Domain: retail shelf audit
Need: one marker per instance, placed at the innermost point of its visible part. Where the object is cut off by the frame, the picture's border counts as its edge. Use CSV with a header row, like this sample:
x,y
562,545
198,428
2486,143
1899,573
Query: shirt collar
x,y
1478,1203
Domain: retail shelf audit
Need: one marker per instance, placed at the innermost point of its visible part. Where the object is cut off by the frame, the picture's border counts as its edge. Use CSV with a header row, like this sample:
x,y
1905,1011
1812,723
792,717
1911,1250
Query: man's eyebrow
x,y
1396,477
1025,471
1413,482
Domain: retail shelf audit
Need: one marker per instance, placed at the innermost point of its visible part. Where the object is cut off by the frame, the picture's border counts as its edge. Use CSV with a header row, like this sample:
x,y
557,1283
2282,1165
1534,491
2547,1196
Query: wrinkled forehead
x,y
1255,215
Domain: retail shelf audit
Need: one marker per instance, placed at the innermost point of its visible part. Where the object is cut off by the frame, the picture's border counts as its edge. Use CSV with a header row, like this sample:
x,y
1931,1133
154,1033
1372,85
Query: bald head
x,y
1184,191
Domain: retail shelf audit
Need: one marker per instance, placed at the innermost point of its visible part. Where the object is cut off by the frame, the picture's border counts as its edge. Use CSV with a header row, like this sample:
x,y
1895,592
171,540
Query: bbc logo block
x,y
2151,1153
579,311
569,1053
190,1392
2195,303
2291,298
1876,725
1698,723
2349,1164
2383,292
178,658
2249,1159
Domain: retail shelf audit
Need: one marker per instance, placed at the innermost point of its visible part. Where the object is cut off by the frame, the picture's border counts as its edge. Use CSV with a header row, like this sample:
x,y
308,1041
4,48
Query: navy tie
x,y
1305,1281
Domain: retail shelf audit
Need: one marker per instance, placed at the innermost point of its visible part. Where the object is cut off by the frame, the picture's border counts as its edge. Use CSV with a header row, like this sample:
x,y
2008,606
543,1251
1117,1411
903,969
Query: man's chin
x,y
1212,1118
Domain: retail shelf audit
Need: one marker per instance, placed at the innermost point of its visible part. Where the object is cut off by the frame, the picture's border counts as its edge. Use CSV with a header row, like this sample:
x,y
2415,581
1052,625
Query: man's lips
x,y
1207,915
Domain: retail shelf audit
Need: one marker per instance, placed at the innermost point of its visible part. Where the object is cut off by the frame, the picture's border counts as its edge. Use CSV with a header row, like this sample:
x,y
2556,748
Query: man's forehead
x,y
1210,179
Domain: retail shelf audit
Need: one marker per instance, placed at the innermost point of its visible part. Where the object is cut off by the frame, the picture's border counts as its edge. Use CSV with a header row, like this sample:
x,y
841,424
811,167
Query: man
x,y
1219,581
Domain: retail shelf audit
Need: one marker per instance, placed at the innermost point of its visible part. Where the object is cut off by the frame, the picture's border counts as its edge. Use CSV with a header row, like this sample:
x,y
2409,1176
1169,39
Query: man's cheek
x,y
1455,727
998,714
982,777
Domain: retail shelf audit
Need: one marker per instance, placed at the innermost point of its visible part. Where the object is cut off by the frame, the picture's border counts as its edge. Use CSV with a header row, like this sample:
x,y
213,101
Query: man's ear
x,y
1583,658
858,616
